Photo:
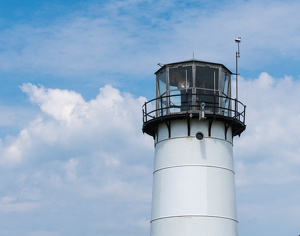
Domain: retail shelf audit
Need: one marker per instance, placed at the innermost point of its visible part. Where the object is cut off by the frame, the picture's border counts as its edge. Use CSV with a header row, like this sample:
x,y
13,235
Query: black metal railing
x,y
212,104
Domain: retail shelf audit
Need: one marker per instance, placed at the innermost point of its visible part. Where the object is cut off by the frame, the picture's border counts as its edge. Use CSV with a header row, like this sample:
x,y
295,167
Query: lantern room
x,y
193,89
186,86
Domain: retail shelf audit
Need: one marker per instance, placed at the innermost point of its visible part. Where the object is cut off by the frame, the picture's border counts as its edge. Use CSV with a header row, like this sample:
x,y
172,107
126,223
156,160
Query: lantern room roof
x,y
191,60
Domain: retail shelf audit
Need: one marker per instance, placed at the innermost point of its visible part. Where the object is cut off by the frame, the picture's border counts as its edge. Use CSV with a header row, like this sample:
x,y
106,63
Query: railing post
x,y
214,104
244,114
145,111
235,109
161,106
187,100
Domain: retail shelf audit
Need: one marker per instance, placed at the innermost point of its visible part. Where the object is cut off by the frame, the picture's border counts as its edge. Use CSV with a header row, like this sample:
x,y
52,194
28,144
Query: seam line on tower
x,y
194,165
223,217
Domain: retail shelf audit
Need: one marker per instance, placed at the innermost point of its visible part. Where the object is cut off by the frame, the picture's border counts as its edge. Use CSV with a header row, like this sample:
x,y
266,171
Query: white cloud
x,y
267,155
92,157
123,37
76,152
269,145
61,104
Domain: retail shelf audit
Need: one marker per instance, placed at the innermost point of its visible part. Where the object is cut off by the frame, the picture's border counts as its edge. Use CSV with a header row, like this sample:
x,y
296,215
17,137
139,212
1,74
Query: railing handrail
x,y
190,106
174,95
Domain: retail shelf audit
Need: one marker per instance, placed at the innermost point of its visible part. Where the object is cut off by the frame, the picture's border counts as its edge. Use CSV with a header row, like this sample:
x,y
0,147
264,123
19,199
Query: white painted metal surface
x,y
193,182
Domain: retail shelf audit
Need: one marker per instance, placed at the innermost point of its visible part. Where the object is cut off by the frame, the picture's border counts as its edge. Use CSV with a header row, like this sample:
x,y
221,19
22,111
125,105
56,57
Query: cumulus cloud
x,y
272,129
88,162
90,157
267,155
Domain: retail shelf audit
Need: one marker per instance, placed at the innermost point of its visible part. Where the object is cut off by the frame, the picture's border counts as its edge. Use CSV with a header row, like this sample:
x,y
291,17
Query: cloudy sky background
x,y
73,78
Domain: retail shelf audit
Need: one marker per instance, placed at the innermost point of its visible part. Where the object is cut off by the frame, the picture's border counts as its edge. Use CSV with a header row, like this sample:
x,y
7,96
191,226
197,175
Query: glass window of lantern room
x,y
207,78
225,80
181,78
161,83
180,85
207,85
225,86
161,88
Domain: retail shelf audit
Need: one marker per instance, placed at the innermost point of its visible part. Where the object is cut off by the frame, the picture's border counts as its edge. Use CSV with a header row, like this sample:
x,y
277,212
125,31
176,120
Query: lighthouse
x,y
193,121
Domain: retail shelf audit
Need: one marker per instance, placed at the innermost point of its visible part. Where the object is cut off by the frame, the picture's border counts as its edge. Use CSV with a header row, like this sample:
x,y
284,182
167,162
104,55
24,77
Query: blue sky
x,y
72,73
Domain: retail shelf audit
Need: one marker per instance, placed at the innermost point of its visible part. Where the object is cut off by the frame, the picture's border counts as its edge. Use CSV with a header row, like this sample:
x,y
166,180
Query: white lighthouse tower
x,y
193,120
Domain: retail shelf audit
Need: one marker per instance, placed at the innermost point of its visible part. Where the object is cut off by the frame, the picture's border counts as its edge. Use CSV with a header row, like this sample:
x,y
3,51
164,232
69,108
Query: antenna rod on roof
x,y
237,40
193,56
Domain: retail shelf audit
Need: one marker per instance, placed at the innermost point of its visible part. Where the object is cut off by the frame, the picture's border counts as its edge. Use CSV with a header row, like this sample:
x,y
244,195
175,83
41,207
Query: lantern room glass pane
x,y
207,77
180,100
225,106
181,78
225,78
225,83
175,101
162,81
186,100
161,105
210,99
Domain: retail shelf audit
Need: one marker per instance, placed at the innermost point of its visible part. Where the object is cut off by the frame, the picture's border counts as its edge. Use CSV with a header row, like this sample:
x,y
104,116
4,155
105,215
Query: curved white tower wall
x,y
193,182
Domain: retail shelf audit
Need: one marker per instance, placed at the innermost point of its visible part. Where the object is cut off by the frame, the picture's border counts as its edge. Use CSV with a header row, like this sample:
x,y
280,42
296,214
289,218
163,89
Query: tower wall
x,y
193,181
